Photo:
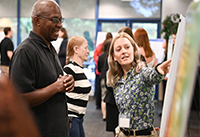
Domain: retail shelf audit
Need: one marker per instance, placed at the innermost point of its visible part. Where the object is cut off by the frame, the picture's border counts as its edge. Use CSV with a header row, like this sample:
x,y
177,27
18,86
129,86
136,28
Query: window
x,y
151,29
112,27
25,20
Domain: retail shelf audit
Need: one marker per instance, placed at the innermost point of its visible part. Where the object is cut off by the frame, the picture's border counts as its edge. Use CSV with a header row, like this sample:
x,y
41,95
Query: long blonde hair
x,y
74,41
115,70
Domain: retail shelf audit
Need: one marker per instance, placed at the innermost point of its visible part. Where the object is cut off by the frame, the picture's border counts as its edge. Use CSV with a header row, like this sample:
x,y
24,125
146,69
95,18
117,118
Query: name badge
x,y
124,120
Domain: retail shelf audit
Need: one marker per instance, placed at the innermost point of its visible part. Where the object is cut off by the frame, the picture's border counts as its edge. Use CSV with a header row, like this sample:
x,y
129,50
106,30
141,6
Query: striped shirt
x,y
77,99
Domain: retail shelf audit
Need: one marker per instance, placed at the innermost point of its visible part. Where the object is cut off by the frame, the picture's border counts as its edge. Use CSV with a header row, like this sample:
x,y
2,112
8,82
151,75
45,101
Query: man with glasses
x,y
36,71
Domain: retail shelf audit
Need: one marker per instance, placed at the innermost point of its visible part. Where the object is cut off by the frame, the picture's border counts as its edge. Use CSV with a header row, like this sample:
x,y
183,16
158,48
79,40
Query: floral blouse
x,y
135,96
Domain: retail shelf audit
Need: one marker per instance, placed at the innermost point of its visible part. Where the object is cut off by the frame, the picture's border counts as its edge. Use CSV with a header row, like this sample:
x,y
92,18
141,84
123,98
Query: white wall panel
x,y
8,8
132,9
84,9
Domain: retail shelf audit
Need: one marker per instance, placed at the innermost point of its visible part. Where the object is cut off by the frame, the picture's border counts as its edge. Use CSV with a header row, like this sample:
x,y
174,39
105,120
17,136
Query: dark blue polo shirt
x,y
35,66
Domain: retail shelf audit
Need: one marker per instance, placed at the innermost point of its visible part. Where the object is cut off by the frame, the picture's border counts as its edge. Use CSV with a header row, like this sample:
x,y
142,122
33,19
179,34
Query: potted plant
x,y
170,25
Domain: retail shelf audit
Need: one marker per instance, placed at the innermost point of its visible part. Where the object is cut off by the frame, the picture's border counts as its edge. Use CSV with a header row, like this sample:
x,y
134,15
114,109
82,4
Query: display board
x,y
57,43
170,45
101,36
157,47
2,35
173,71
182,74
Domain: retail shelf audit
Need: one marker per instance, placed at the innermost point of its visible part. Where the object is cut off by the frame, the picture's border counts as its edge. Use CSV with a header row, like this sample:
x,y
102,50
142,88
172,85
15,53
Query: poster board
x,y
170,47
2,35
101,36
57,44
172,74
157,47
180,84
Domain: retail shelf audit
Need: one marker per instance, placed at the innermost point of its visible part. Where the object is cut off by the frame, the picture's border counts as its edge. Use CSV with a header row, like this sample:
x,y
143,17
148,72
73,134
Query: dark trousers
x,y
98,91
164,87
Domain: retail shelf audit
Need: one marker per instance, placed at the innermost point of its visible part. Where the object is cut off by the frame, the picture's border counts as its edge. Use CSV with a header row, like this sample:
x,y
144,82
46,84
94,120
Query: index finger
x,y
167,62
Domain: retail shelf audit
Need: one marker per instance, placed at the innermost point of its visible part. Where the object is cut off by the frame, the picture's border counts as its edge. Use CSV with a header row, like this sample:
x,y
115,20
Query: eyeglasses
x,y
54,20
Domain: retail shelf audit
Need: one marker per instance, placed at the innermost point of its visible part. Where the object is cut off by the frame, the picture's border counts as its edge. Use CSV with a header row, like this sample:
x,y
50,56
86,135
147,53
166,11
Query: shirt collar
x,y
130,72
74,63
39,39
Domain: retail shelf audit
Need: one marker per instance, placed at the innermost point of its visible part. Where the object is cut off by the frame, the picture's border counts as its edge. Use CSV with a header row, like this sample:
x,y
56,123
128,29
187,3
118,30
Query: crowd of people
x,y
55,88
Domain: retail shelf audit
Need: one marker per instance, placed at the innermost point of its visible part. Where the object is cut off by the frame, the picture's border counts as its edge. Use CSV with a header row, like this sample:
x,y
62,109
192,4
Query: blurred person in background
x,y
101,62
142,40
6,50
63,46
89,40
97,53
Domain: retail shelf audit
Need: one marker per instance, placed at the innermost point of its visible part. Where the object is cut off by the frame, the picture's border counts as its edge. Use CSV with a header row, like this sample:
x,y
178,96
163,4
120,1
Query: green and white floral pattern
x,y
135,96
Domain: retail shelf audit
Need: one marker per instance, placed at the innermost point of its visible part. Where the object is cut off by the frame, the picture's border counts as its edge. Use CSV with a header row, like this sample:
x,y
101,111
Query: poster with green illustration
x,y
177,116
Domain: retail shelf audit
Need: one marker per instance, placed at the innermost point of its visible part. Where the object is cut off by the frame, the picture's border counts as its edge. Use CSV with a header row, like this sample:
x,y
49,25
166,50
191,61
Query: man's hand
x,y
65,83
69,83
157,129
